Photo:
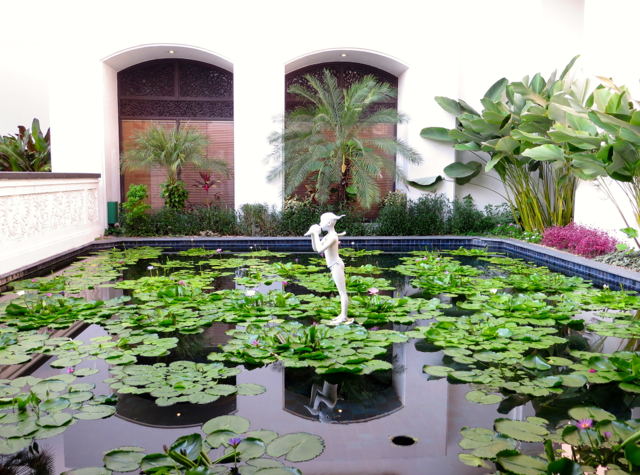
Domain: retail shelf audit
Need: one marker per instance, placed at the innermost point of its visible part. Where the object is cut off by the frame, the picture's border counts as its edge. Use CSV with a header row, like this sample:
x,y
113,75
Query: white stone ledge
x,y
43,217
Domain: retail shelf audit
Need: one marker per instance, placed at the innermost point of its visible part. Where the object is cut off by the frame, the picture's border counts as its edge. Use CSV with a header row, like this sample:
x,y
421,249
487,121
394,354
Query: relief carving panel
x,y
150,80
25,216
176,109
202,81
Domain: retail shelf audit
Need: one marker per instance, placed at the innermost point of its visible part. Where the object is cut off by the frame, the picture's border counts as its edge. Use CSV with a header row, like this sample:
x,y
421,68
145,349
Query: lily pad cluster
x,y
33,408
596,439
341,349
251,452
180,381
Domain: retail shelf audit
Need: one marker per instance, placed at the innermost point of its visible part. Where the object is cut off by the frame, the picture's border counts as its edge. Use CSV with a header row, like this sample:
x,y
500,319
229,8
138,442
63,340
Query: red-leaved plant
x,y
206,184
581,240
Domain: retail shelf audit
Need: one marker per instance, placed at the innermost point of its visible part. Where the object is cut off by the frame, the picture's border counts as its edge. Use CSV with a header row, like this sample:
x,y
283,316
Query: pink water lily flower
x,y
284,282
373,291
584,424
218,250
181,282
49,294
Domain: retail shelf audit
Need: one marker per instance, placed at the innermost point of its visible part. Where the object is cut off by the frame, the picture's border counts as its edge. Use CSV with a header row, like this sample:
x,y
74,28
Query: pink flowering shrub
x,y
581,240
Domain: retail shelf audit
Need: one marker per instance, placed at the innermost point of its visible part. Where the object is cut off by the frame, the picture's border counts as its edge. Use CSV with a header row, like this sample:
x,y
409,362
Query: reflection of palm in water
x,y
328,397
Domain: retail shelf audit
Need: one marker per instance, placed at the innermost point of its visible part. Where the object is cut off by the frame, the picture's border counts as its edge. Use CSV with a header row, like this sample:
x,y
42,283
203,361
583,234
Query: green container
x,y
112,212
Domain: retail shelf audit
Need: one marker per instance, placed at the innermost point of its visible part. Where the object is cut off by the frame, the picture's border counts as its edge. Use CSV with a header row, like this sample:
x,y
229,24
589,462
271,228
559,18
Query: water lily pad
x,y
574,380
220,437
535,362
265,436
593,413
66,362
123,460
188,445
497,445
298,447
523,464
265,462
55,405
557,361
155,461
46,432
250,389
235,424
78,396
90,413
520,430
10,446
55,420
221,390
440,371
469,459
278,471
88,471
249,448
630,387
85,372
479,397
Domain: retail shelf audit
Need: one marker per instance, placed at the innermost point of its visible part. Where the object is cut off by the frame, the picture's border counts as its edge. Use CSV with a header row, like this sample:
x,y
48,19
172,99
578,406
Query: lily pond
x,y
204,362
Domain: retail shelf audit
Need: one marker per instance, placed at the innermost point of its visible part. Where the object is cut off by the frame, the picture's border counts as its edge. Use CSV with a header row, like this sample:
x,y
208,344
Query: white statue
x,y
329,245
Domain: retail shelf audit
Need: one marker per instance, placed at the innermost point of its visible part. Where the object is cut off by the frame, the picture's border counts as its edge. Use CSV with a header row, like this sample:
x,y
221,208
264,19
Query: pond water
x,y
402,418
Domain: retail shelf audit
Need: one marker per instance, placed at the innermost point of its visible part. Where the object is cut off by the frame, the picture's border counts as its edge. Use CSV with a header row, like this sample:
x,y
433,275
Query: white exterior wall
x,y
63,70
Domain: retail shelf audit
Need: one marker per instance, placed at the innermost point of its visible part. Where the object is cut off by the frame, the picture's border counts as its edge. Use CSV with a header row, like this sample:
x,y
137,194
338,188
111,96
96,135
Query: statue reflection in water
x,y
322,401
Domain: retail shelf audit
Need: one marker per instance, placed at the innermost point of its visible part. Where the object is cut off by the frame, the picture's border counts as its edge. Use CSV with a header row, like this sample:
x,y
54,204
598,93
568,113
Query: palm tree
x,y
326,139
171,150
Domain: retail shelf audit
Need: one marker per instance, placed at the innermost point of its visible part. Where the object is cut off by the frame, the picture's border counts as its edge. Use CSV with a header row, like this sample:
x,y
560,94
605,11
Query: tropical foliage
x,y
529,139
328,140
28,151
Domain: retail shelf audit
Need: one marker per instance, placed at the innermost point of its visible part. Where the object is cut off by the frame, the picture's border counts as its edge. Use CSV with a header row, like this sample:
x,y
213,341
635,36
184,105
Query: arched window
x,y
177,92
347,74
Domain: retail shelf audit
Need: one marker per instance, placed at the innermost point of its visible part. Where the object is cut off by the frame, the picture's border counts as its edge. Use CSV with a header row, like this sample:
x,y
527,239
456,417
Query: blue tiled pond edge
x,y
557,261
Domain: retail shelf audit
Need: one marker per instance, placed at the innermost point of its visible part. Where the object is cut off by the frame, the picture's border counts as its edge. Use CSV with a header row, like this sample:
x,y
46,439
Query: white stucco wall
x,y
63,69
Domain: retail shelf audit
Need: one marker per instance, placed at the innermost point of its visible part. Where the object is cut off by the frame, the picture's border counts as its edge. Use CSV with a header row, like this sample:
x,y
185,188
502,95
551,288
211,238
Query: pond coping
x,y
557,261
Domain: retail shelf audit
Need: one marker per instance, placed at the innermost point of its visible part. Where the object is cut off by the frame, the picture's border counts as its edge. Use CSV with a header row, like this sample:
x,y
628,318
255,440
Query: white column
x,y
111,135
258,98
77,121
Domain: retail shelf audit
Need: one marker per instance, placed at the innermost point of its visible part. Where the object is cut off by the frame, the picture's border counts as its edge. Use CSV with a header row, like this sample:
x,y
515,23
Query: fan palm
x,y
170,150
327,139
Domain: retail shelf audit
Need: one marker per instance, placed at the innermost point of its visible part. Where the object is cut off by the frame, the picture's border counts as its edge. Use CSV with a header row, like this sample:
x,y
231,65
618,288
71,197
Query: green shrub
x,y
430,215
297,216
174,194
258,219
134,218
393,219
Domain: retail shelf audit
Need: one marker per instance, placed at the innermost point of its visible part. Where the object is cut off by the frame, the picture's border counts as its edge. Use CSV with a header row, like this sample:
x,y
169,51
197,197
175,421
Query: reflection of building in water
x,y
143,410
344,397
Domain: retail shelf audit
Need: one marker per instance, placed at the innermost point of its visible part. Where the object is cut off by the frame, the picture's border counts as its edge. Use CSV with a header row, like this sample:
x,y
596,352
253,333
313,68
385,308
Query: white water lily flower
x,y
250,293
493,291
21,293
150,268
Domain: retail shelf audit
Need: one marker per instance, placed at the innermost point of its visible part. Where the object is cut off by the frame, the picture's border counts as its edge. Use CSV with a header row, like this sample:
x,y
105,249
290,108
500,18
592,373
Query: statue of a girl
x,y
329,245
